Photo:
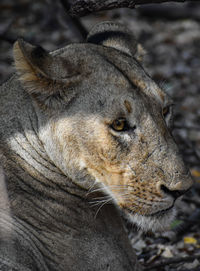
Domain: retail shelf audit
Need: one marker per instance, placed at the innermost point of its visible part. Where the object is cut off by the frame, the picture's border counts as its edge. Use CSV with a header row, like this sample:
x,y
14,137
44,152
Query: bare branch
x,y
77,26
84,7
172,261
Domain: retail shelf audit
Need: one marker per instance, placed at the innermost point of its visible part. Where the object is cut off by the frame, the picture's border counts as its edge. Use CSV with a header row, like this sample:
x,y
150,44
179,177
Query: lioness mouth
x,y
156,214
162,212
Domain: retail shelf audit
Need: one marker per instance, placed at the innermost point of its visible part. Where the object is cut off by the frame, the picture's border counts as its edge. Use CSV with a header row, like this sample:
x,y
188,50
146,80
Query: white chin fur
x,y
152,223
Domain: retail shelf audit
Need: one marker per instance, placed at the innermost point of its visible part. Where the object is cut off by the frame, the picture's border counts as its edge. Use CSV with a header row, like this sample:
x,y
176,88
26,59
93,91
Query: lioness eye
x,y
120,125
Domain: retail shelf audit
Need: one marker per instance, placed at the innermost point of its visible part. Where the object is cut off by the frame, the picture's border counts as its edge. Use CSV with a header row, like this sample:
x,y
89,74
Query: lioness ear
x,y
43,75
117,36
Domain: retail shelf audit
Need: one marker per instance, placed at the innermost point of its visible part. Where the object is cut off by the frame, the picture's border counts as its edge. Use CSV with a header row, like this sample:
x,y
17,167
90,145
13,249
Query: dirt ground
x,y
172,45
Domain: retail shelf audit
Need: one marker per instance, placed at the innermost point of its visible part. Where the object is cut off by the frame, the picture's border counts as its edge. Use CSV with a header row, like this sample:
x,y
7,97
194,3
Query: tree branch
x,y
84,7
172,261
77,25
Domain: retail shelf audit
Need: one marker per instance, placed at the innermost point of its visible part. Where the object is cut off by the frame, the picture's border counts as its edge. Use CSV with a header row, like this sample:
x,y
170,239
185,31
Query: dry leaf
x,y
167,253
195,173
190,240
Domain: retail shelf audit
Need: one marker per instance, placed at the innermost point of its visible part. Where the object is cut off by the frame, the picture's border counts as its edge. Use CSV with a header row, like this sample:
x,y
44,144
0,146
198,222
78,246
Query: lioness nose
x,y
174,193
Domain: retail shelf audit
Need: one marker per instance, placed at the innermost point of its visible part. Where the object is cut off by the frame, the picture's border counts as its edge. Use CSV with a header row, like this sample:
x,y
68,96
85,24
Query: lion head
x,y
106,124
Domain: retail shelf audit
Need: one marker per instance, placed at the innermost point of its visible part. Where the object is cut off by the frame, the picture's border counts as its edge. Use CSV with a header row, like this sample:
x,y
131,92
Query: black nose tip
x,y
174,193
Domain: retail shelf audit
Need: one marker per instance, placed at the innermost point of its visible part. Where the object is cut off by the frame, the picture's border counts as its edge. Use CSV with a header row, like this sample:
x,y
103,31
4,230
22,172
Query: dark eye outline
x,y
166,110
125,127
168,115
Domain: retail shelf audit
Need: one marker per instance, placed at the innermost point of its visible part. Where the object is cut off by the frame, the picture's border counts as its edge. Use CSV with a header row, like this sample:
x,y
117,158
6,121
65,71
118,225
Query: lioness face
x,y
117,133
114,133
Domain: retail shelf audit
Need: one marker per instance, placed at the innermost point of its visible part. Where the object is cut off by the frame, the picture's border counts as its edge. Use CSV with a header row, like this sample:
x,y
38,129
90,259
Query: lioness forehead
x,y
112,73
79,70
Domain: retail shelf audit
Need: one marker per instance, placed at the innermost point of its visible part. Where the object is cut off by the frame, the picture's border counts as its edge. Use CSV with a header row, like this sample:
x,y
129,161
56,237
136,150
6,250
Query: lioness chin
x,y
81,126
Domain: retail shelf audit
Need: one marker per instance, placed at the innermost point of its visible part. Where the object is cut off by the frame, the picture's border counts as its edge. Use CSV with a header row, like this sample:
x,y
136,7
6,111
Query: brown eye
x,y
119,125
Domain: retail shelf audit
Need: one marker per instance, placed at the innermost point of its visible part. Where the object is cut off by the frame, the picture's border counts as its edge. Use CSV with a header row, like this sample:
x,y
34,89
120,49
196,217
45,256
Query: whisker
x,y
90,189
96,190
109,200
102,198
99,200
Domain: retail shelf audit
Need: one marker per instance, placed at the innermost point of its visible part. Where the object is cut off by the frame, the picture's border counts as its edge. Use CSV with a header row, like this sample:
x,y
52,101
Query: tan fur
x,y
28,74
128,106
23,67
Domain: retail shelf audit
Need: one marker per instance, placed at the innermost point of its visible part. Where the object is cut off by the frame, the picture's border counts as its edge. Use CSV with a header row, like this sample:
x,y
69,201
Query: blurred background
x,y
170,34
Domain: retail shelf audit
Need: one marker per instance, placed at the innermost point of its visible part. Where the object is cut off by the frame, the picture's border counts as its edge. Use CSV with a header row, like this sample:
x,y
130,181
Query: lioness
x,y
84,137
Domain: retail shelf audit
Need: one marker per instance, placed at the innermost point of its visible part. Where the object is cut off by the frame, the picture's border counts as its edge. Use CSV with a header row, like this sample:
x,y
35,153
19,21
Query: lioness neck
x,y
32,170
